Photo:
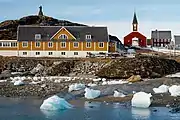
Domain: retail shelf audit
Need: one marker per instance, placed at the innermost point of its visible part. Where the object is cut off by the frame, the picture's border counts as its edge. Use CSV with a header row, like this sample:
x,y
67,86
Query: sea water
x,y
28,109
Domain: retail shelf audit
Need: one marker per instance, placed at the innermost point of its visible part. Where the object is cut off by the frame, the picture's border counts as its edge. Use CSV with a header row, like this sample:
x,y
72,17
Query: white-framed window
x,y
50,44
24,44
38,44
101,45
50,53
75,53
88,44
63,53
6,44
63,36
14,44
24,53
37,36
63,44
76,44
88,36
37,53
1,44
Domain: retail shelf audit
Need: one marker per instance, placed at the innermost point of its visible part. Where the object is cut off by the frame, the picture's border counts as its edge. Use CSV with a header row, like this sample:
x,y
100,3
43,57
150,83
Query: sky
x,y
117,15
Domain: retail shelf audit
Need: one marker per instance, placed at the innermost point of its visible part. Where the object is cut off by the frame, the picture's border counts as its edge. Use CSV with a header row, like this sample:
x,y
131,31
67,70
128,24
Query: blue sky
x,y
115,14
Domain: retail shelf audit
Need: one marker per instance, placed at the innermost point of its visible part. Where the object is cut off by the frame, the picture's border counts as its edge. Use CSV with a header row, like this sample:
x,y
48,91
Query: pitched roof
x,y
161,34
177,39
135,19
27,32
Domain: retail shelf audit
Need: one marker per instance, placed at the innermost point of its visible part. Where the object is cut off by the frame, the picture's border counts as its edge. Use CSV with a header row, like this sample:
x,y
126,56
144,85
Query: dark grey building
x,y
177,41
160,38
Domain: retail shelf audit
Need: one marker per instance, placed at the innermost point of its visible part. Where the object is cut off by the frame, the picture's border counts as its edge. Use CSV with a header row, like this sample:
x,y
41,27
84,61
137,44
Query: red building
x,y
135,38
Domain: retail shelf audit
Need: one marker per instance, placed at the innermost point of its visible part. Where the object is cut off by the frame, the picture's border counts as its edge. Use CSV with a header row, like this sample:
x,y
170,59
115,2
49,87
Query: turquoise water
x,y
18,109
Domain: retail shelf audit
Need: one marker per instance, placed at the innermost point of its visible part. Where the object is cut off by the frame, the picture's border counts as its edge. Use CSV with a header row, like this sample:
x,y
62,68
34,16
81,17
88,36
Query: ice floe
x,y
92,85
118,94
91,94
55,103
175,90
76,86
141,100
161,89
174,75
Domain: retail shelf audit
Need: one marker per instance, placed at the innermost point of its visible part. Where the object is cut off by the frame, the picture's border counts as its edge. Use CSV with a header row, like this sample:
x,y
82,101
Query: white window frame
x,y
65,37
50,53
14,44
37,52
88,43
24,53
50,44
24,44
100,44
88,37
6,44
37,36
63,52
75,43
76,54
36,44
63,44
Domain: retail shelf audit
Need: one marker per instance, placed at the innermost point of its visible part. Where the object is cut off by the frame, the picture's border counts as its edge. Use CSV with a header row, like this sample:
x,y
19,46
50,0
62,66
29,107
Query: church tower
x,y
135,23
40,11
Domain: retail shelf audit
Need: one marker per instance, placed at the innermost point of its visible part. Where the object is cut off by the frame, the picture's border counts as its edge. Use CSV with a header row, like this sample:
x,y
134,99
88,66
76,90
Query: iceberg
x,y
118,94
76,86
141,100
91,94
161,89
55,103
174,90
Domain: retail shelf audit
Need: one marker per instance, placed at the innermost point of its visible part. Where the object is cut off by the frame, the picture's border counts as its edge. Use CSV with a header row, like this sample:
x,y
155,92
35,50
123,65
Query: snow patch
x,y
19,82
91,94
55,103
161,89
92,85
141,100
97,80
118,94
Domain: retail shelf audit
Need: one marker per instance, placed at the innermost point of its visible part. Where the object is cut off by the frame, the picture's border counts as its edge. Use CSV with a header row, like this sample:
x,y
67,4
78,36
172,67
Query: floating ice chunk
x,y
92,85
174,75
55,103
113,82
76,86
97,80
91,94
174,90
118,94
141,100
161,89
104,83
3,81
103,79
19,82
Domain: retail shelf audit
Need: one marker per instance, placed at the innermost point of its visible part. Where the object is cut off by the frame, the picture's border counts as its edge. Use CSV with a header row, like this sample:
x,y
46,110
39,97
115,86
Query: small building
x,y
135,38
160,38
177,41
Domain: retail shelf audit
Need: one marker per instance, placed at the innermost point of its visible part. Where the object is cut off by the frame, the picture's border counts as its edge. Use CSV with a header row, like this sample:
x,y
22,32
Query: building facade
x,y
56,41
160,38
135,38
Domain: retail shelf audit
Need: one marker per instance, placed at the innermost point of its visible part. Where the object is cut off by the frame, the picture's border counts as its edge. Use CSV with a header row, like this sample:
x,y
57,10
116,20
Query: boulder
x,y
134,78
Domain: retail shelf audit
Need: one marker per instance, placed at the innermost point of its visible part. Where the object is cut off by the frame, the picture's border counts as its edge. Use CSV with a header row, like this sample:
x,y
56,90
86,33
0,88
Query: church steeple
x,y
40,11
135,23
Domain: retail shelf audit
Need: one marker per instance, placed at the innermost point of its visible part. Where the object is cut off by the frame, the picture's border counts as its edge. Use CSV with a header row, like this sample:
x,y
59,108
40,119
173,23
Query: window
x,y
24,44
75,53
101,44
63,44
76,44
88,44
37,36
37,53
6,44
50,53
14,44
50,44
63,53
38,44
24,53
1,44
88,36
63,36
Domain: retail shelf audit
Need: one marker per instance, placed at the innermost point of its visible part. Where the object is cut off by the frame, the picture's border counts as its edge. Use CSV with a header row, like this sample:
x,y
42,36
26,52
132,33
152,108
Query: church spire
x,y
40,11
135,22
